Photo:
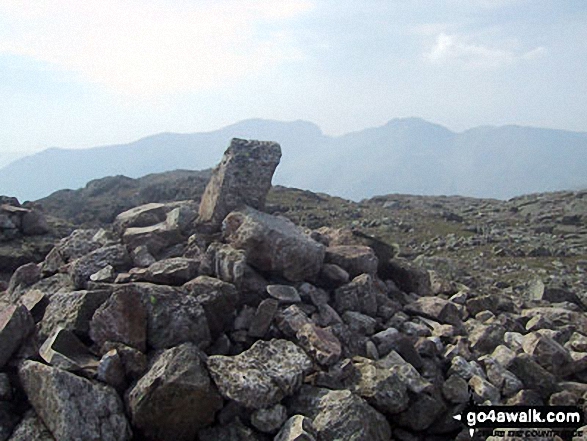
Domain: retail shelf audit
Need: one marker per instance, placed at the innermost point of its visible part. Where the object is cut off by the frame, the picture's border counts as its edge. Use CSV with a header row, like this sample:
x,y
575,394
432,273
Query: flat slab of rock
x,y
65,351
173,271
243,177
354,259
72,407
274,244
261,376
175,398
16,323
436,309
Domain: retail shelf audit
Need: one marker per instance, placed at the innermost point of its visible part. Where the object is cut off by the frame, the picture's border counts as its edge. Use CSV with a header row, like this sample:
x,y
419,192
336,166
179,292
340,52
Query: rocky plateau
x,y
212,306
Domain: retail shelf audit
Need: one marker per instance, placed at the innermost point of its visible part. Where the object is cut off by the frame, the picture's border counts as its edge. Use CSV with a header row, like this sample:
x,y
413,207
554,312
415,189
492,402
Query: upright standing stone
x,y
243,177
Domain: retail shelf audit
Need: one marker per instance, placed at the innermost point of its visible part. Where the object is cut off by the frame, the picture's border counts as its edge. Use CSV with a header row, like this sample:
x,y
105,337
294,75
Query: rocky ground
x,y
288,315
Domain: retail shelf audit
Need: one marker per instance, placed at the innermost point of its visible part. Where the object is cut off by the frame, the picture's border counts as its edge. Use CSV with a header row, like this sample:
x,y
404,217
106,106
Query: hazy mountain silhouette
x,y
407,155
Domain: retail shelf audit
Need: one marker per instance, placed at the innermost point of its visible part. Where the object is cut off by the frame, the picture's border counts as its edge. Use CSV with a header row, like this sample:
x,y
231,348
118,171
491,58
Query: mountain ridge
x,y
405,155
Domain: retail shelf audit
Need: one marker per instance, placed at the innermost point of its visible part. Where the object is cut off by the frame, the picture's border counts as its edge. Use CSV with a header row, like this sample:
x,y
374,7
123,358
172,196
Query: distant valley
x,y
406,155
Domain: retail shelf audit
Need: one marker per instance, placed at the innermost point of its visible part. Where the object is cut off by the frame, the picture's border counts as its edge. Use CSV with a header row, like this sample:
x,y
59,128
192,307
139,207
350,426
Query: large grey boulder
x,y
243,177
175,398
261,376
16,323
31,428
72,407
340,414
274,244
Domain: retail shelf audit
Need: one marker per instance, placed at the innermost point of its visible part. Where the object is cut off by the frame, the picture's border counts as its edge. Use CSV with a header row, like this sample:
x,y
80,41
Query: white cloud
x,y
460,49
152,47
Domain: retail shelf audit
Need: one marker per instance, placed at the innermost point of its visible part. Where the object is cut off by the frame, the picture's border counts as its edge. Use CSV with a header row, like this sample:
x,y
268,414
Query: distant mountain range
x,y
407,155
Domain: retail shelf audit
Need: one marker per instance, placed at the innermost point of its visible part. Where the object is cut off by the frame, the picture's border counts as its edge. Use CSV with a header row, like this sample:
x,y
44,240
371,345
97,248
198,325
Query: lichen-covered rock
x,y
172,271
81,269
358,295
261,376
320,343
274,244
72,407
16,323
340,414
243,177
175,398
297,428
31,428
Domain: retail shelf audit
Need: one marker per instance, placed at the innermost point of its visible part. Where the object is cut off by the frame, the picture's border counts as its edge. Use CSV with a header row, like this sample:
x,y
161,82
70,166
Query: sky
x,y
79,74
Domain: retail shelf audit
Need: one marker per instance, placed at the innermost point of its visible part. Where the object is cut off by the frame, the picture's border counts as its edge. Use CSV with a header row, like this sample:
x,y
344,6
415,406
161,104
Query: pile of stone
x,y
17,221
222,322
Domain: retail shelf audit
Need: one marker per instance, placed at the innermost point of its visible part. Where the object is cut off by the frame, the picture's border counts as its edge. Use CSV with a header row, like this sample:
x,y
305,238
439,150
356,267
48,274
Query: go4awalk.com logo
x,y
535,420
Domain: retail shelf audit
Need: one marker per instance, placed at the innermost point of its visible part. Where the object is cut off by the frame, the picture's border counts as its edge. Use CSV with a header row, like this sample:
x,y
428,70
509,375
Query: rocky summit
x,y
251,316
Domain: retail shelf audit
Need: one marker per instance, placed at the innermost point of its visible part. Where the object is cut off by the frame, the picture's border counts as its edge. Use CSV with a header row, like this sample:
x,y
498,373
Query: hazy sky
x,y
84,73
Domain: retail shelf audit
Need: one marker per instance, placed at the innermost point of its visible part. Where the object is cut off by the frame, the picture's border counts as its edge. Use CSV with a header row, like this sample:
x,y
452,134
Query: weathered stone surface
x,y
155,237
382,388
297,428
219,300
407,373
533,375
332,276
77,244
269,420
546,352
34,223
359,323
358,295
243,177
233,431
263,317
422,413
73,407
354,259
409,277
23,277
291,319
435,308
122,318
65,351
133,361
141,216
16,323
340,414
284,293
31,428
8,420
81,269
319,343
111,370
455,389
274,244
175,398
173,271
483,390
173,317
72,311
141,257
261,376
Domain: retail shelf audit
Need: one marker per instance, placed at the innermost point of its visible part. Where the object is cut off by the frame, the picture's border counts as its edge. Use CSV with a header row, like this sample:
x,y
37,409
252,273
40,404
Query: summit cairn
x,y
243,177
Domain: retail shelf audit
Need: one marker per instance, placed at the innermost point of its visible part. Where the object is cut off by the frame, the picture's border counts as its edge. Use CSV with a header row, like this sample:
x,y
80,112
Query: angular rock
x,y
16,324
409,277
455,389
269,420
435,308
422,413
273,244
359,323
243,177
141,257
290,320
263,317
297,428
65,351
36,302
284,293
219,300
173,317
485,338
141,216
173,271
23,277
407,373
31,428
133,361
261,376
533,375
79,243
319,343
72,311
354,259
175,398
34,223
233,431
340,414
332,276
382,388
483,390
73,407
111,370
155,238
546,352
358,295
122,318
82,268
